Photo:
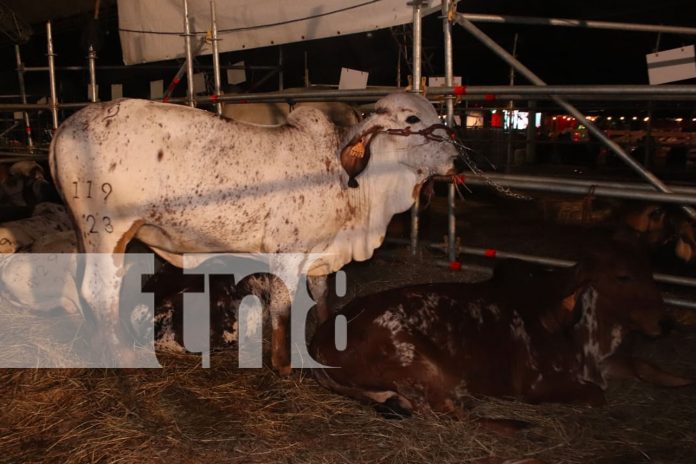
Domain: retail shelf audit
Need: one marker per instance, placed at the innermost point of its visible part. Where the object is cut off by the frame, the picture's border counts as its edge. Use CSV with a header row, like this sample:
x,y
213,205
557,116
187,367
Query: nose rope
x,y
463,154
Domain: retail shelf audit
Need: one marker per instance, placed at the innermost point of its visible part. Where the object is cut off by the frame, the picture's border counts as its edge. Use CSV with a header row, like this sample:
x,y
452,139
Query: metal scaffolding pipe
x,y
613,146
583,183
448,6
23,96
147,67
659,197
52,76
579,23
679,302
281,74
416,87
472,93
92,57
216,57
487,270
189,55
13,159
547,261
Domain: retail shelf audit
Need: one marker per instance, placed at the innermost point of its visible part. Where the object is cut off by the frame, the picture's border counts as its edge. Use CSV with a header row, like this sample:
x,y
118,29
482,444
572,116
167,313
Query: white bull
x,y
182,180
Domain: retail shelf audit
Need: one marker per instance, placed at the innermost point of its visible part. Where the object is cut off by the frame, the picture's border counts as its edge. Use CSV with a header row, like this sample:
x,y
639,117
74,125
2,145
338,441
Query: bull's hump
x,y
311,120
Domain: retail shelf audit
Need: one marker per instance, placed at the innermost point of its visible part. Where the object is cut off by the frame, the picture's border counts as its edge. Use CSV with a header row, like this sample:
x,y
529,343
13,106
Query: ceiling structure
x,y
558,55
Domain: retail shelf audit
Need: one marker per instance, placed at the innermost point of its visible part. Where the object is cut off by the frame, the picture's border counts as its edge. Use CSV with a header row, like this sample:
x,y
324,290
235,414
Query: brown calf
x,y
535,335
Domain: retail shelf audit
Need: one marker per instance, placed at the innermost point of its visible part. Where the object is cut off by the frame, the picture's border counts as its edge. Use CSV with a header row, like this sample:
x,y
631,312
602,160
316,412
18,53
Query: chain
x,y
463,153
501,189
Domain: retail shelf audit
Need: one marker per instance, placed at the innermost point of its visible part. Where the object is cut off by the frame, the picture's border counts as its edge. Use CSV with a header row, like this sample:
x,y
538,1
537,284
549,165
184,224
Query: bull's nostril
x,y
666,325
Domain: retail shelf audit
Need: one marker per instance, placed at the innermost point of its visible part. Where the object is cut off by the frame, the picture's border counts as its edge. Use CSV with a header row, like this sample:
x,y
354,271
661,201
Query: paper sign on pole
x,y
116,91
156,89
198,83
352,79
236,76
440,81
671,65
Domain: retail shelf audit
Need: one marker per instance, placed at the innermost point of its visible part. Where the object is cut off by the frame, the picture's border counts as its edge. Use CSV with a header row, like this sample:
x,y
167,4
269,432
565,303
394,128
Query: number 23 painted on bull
x,y
91,219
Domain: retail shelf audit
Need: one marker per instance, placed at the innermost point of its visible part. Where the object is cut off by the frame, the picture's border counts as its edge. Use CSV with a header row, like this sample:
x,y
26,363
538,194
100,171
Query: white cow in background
x,y
182,180
47,219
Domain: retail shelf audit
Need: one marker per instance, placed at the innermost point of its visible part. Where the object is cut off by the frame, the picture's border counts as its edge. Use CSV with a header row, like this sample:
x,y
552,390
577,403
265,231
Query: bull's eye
x,y
413,119
624,277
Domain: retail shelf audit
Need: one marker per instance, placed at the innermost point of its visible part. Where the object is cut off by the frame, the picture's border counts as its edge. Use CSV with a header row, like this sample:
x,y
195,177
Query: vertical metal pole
x,y
306,70
536,80
415,87
449,104
52,75
189,55
281,74
531,133
511,107
216,57
398,69
91,57
23,95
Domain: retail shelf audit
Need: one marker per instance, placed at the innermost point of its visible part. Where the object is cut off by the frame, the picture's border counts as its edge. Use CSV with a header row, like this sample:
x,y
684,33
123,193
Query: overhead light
x,y
635,118
553,118
646,119
622,118
679,119
608,118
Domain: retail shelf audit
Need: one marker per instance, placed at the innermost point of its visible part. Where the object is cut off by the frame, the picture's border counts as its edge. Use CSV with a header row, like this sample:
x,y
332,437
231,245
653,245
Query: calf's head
x,y
622,295
373,145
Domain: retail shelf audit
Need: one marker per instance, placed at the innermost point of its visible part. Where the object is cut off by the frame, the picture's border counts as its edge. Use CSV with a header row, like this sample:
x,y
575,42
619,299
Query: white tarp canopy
x,y
151,30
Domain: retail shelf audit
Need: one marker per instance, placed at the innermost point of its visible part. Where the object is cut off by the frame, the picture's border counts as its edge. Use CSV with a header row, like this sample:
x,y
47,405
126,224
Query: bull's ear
x,y
356,154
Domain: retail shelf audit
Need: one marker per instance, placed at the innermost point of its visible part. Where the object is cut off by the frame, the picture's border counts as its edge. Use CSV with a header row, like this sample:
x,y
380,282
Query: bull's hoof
x,y
284,371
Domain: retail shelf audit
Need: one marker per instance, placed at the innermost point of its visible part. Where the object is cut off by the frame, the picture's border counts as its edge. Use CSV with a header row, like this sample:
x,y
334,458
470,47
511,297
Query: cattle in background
x,y
24,184
47,219
226,294
276,114
667,231
536,335
184,181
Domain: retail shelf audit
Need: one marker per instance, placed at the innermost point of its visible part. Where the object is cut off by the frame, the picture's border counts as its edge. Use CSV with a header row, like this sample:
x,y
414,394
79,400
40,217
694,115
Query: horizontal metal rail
x,y
555,262
578,23
599,191
490,92
142,67
679,302
583,183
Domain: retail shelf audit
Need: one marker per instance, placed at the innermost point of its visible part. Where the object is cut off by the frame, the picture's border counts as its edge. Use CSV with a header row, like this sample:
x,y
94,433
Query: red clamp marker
x,y
28,129
455,265
459,179
489,97
459,90
489,252
214,98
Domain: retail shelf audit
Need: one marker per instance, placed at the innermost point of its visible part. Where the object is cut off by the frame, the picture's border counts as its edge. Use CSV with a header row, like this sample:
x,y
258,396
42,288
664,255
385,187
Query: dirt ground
x,y
183,413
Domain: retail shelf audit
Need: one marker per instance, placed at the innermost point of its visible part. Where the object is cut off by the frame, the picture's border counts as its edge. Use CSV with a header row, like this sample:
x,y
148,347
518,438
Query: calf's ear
x,y
565,314
355,155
